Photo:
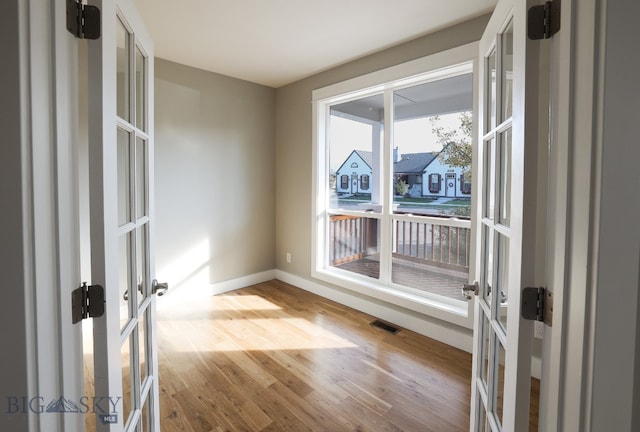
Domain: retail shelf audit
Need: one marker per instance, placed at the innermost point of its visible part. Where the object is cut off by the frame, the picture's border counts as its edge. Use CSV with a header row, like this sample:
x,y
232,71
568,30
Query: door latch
x,y
159,288
468,291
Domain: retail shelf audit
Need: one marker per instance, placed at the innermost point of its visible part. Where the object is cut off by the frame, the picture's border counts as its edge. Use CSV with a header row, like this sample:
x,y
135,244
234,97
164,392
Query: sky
x,y
410,136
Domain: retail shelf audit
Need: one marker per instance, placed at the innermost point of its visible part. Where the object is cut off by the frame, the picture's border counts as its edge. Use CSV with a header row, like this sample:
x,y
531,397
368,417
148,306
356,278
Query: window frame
x,y
441,65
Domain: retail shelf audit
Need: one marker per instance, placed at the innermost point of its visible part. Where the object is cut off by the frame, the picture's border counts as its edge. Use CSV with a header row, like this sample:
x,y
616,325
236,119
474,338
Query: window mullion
x,y
387,192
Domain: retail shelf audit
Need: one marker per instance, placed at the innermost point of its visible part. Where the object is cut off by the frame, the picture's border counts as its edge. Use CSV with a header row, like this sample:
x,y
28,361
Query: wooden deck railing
x,y
442,242
347,238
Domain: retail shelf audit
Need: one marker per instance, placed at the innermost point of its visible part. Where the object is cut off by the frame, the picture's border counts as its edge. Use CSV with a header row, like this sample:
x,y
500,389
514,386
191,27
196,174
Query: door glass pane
x,y
354,244
141,263
141,177
355,134
507,72
491,88
488,265
142,327
124,278
127,379
483,419
124,177
144,421
502,279
505,178
140,90
490,177
499,382
486,337
122,70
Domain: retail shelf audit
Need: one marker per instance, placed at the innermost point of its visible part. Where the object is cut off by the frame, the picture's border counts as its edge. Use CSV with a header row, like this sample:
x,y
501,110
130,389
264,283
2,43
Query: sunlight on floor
x,y
245,322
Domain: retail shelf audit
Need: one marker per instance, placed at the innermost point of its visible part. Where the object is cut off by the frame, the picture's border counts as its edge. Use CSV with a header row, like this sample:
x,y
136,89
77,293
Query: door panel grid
x,y
495,155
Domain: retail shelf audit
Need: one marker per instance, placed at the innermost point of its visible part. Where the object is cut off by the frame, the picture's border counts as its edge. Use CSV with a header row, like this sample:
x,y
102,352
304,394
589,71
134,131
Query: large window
x,y
405,227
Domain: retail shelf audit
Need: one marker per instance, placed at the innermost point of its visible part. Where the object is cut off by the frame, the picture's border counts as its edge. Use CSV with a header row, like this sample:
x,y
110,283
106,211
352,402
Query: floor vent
x,y
384,326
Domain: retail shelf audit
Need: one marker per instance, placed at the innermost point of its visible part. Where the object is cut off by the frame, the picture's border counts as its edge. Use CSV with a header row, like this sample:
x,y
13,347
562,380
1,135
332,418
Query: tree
x,y
456,143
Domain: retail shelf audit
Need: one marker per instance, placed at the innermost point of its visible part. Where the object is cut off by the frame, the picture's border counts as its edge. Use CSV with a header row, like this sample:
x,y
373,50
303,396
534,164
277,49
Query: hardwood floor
x,y
273,357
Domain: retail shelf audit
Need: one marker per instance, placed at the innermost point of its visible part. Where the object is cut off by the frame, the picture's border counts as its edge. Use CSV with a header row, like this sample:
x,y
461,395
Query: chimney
x,y
395,155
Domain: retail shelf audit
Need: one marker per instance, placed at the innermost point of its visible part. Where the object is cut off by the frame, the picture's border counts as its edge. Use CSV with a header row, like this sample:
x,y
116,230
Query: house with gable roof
x,y
354,175
427,175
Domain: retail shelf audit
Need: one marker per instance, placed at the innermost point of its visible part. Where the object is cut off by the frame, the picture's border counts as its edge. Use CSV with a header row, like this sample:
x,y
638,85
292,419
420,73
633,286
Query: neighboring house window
x,y
344,182
465,185
354,165
364,182
434,183
419,179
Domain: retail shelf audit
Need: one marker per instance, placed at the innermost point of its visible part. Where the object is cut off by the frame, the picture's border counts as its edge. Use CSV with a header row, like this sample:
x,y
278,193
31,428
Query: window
x,y
344,182
392,238
434,183
465,184
364,182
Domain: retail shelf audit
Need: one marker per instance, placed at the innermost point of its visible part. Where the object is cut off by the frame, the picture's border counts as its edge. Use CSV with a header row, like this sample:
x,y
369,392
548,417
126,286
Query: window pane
x,y
124,278
490,178
355,135
141,177
122,65
486,338
432,137
487,261
505,178
430,255
491,87
502,279
142,283
507,72
127,379
353,244
140,90
499,382
124,177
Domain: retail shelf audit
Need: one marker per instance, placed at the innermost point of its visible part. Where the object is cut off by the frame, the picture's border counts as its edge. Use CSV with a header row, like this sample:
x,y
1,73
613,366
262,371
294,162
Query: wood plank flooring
x,y
273,357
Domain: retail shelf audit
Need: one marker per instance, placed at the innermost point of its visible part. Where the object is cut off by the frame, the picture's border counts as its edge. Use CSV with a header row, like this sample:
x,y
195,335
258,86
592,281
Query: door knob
x,y
159,288
468,291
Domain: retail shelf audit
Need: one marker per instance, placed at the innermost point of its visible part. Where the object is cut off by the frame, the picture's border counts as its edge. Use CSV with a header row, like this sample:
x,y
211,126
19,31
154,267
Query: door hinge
x,y
87,302
543,21
537,305
83,21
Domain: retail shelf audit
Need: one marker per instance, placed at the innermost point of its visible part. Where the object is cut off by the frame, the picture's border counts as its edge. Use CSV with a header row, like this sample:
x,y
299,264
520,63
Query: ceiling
x,y
276,42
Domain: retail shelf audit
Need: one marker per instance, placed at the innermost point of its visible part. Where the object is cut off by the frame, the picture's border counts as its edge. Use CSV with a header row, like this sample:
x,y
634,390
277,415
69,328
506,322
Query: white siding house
x,y
427,175
354,175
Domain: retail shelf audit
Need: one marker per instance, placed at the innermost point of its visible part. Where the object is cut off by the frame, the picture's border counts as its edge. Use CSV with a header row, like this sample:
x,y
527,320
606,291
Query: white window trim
x,y
437,66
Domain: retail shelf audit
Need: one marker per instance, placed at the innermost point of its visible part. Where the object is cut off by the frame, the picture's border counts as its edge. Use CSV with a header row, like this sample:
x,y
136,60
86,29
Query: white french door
x,y
122,223
502,340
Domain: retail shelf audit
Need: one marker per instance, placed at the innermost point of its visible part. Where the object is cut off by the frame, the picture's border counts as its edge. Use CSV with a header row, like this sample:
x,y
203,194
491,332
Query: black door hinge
x,y
87,302
537,305
543,21
83,21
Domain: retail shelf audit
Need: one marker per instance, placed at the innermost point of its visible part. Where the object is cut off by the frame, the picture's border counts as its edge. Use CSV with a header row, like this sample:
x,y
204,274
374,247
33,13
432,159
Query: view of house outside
x,y
431,160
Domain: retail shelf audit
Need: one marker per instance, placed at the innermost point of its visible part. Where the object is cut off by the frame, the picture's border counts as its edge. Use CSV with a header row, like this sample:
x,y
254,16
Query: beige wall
x,y
215,170
294,140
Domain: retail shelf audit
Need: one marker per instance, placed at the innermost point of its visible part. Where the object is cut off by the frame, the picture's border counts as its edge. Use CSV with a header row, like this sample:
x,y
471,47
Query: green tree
x,y
456,143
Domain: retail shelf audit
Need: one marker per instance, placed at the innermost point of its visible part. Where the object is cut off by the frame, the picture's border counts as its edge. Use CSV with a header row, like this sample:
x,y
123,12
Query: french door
x,y
501,370
122,223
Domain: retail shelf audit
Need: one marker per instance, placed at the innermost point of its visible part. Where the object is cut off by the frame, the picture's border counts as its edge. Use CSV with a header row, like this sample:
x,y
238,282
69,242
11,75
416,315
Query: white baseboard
x,y
196,293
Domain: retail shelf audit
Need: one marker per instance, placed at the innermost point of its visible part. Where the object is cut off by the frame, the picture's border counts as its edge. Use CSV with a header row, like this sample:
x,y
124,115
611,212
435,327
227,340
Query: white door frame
x,y
45,217
589,353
